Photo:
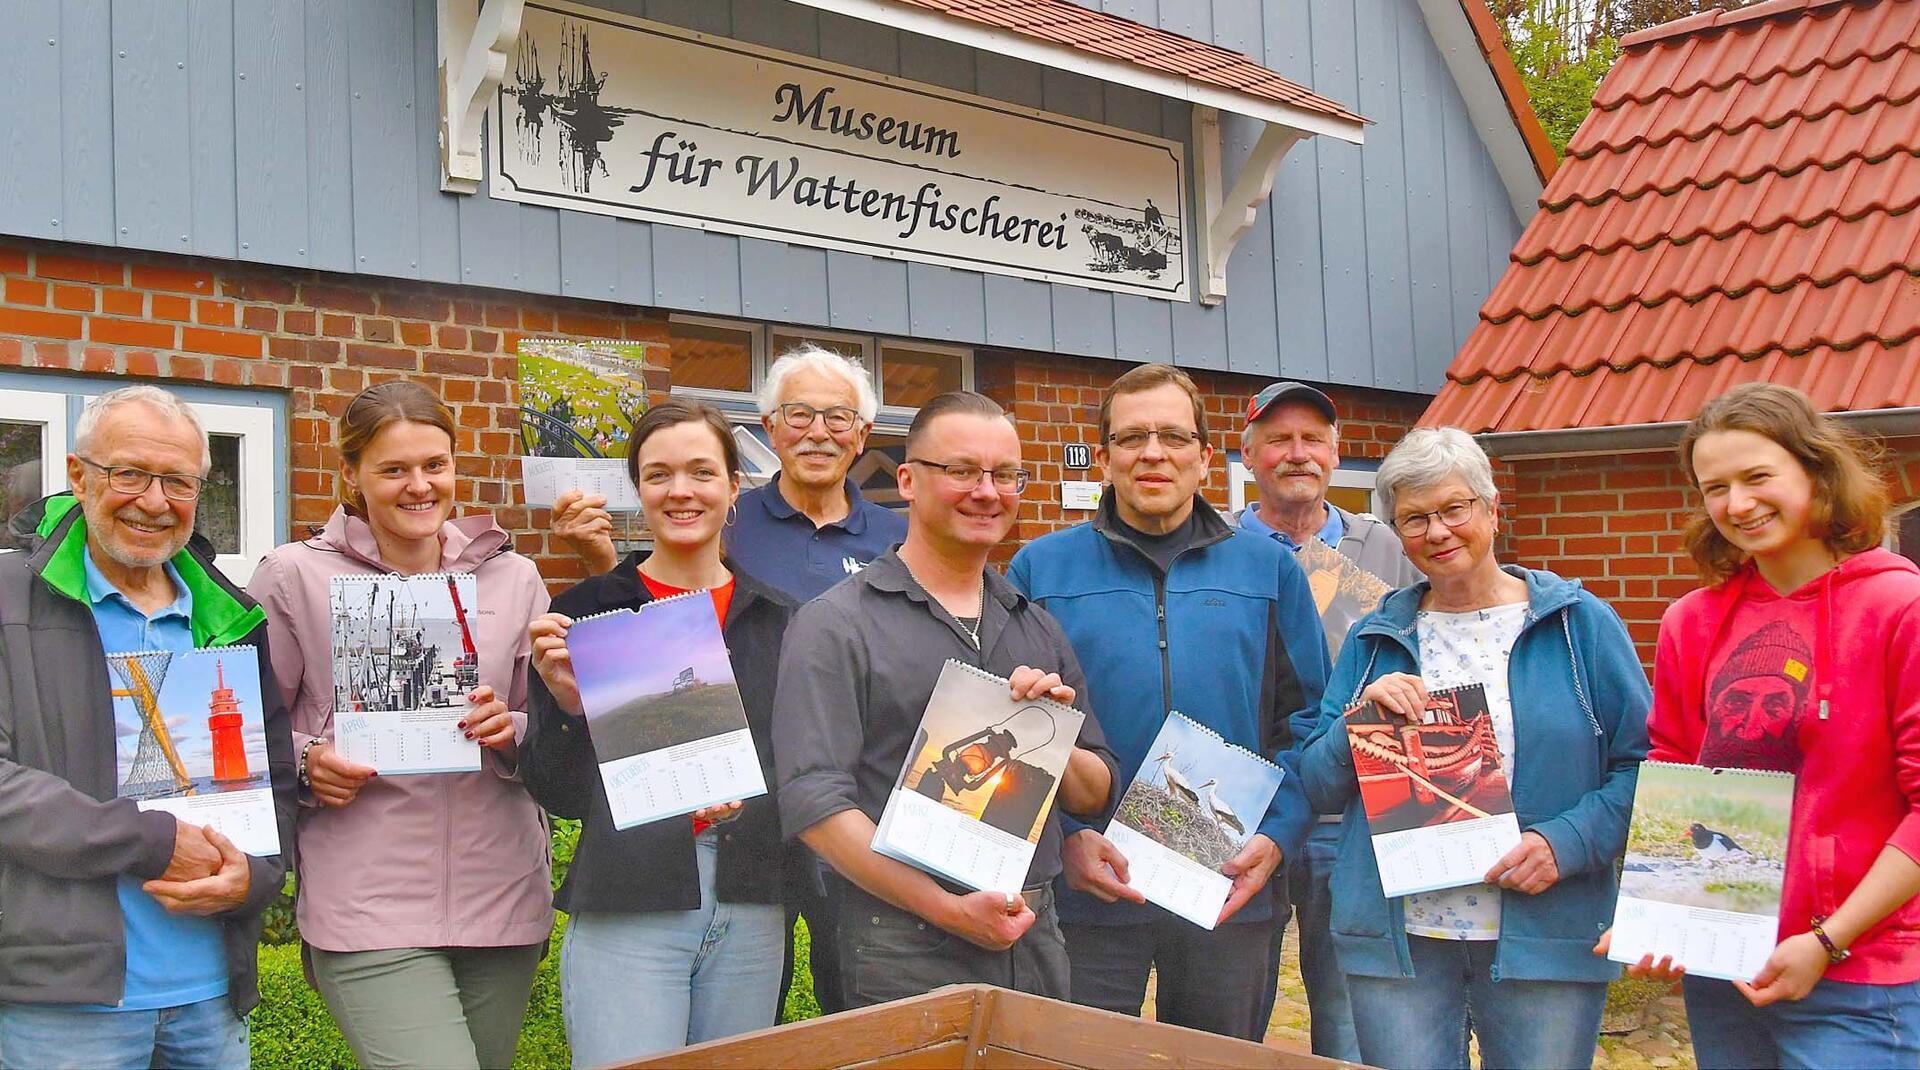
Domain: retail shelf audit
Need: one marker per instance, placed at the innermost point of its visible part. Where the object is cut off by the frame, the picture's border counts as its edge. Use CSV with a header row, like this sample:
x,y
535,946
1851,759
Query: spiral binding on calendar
x,y
1234,747
395,579
704,592
1717,770
983,674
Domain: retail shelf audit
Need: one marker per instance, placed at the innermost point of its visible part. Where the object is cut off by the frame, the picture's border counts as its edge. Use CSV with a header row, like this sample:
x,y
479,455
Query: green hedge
x,y
292,1029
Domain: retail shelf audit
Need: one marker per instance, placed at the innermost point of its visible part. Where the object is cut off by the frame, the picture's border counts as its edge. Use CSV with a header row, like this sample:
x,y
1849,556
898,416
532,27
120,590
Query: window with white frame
x,y
241,510
725,361
1350,488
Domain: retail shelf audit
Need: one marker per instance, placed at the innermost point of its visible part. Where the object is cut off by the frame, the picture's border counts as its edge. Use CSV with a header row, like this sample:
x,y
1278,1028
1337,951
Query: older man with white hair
x,y
805,531
128,935
809,528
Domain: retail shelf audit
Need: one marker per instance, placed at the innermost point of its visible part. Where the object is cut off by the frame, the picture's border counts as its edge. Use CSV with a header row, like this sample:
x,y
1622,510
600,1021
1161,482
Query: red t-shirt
x,y
722,598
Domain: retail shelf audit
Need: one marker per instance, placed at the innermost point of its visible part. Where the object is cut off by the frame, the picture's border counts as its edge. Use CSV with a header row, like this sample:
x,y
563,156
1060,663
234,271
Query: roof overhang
x,y
1470,43
1661,437
915,19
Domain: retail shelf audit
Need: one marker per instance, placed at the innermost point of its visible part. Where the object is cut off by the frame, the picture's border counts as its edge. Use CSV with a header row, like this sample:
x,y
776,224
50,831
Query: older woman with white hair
x,y
1507,960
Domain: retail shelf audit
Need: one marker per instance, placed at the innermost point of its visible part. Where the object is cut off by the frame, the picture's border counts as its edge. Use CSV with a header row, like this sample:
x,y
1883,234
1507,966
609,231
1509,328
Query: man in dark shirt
x,y
1172,609
858,667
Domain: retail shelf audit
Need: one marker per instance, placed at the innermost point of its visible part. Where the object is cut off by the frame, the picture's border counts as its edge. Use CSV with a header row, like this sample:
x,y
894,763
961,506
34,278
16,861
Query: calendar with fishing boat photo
x,y
979,781
1435,792
404,662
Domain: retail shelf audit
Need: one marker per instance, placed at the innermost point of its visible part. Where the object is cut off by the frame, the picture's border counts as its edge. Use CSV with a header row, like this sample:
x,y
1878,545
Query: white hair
x,y
825,361
1428,456
162,402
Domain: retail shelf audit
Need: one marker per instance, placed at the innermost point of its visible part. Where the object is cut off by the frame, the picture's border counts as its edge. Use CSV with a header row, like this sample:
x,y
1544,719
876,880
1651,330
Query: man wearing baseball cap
x,y
1291,444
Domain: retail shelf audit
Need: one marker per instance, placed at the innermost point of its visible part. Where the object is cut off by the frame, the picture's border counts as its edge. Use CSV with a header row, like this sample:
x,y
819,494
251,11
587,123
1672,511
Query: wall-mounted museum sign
x,y
608,114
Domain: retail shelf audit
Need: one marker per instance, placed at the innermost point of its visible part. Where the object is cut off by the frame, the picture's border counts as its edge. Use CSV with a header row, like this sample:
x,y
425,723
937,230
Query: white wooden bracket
x,y
475,38
1226,216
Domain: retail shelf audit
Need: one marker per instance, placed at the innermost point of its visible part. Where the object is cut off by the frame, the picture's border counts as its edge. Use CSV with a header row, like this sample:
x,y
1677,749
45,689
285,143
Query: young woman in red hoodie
x,y
1803,655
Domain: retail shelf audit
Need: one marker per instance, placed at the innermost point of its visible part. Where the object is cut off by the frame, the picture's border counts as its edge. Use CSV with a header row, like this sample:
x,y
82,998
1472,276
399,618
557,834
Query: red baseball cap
x,y
1278,392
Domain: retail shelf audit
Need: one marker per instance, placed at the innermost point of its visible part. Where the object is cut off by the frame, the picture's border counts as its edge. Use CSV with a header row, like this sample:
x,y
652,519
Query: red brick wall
x,y
1056,400
1615,523
316,338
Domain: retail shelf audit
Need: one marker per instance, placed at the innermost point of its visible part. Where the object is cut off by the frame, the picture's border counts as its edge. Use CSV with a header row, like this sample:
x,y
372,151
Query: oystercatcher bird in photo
x,y
1714,846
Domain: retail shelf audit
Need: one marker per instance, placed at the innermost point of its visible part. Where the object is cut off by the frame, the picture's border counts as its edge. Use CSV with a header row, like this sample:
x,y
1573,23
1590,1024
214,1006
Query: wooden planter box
x,y
979,1027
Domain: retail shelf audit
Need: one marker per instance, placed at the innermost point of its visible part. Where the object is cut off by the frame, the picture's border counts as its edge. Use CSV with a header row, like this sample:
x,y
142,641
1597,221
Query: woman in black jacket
x,y
676,929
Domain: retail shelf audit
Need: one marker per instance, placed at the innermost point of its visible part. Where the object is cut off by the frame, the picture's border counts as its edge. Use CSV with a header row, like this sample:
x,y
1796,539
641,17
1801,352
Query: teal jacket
x,y
1227,636
1579,733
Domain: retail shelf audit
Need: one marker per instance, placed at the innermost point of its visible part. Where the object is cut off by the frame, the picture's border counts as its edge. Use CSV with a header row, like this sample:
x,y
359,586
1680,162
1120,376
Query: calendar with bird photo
x,y
1713,838
1197,795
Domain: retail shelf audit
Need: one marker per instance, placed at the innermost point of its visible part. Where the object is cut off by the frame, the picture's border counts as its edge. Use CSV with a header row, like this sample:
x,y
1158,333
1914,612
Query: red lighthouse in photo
x,y
223,724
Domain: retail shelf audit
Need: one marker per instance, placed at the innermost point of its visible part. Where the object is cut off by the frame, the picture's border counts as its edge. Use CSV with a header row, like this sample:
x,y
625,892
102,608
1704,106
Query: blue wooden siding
x,y
302,133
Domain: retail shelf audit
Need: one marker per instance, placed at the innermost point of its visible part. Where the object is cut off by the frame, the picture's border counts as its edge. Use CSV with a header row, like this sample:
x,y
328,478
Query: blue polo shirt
x,y
1331,534
172,959
780,546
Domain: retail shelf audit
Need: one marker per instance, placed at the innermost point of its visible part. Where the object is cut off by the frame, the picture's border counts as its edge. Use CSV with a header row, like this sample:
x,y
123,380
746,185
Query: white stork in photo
x,y
1223,814
1177,785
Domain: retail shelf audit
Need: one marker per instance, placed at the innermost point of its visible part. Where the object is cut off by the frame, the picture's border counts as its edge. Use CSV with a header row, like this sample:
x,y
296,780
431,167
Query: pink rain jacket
x,y
434,860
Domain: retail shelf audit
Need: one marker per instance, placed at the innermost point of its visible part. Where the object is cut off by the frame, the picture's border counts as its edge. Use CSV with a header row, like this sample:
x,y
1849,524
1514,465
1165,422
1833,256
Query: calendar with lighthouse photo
x,y
191,739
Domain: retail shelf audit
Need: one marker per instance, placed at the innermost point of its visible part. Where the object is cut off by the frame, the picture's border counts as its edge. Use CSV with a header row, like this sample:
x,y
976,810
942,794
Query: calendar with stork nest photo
x,y
1435,793
1190,808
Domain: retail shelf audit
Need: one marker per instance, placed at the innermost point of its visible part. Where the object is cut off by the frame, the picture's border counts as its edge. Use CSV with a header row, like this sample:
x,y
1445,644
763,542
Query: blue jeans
x,y
54,1037
1308,884
637,984
1422,1021
1838,1024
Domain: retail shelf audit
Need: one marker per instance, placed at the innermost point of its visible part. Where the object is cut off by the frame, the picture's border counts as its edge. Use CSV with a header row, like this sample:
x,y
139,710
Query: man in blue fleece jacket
x,y
1170,608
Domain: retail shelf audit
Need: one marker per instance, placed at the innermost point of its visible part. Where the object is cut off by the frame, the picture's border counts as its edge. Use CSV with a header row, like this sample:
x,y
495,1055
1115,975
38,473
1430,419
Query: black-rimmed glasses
x,y
124,479
1005,480
799,415
1452,514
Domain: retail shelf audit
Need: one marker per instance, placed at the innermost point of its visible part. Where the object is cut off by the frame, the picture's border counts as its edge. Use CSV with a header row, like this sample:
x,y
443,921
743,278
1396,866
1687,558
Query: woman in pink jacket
x,y
1803,656
424,900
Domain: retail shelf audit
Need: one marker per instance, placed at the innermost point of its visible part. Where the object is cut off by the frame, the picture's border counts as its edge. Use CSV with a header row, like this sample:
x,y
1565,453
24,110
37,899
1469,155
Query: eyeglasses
x,y
1452,514
124,480
1173,438
1005,480
799,415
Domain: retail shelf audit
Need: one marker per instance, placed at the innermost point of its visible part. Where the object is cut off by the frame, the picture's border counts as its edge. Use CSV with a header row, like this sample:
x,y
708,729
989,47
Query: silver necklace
x,y
980,617
973,633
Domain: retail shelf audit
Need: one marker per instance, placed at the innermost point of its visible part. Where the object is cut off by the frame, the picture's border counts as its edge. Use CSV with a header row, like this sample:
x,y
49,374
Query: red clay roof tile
x,y
1744,203
1110,35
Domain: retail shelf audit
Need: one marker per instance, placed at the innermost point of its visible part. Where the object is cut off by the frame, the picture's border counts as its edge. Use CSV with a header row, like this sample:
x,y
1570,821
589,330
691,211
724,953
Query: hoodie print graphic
x,y
1756,700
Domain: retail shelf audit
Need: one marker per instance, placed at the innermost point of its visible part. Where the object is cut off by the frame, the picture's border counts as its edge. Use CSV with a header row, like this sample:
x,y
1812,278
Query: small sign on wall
x,y
1079,456
1079,494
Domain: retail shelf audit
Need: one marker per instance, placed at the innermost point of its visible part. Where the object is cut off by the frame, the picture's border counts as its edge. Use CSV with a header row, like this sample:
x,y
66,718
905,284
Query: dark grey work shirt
x,y
857,668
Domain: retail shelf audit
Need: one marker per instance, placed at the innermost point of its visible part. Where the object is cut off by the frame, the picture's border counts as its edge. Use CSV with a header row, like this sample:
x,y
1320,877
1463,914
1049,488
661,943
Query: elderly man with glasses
x,y
1170,608
128,935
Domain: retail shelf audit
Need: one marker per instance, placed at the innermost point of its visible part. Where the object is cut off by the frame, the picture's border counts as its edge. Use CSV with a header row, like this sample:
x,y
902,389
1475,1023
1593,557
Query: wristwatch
x,y
1835,955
